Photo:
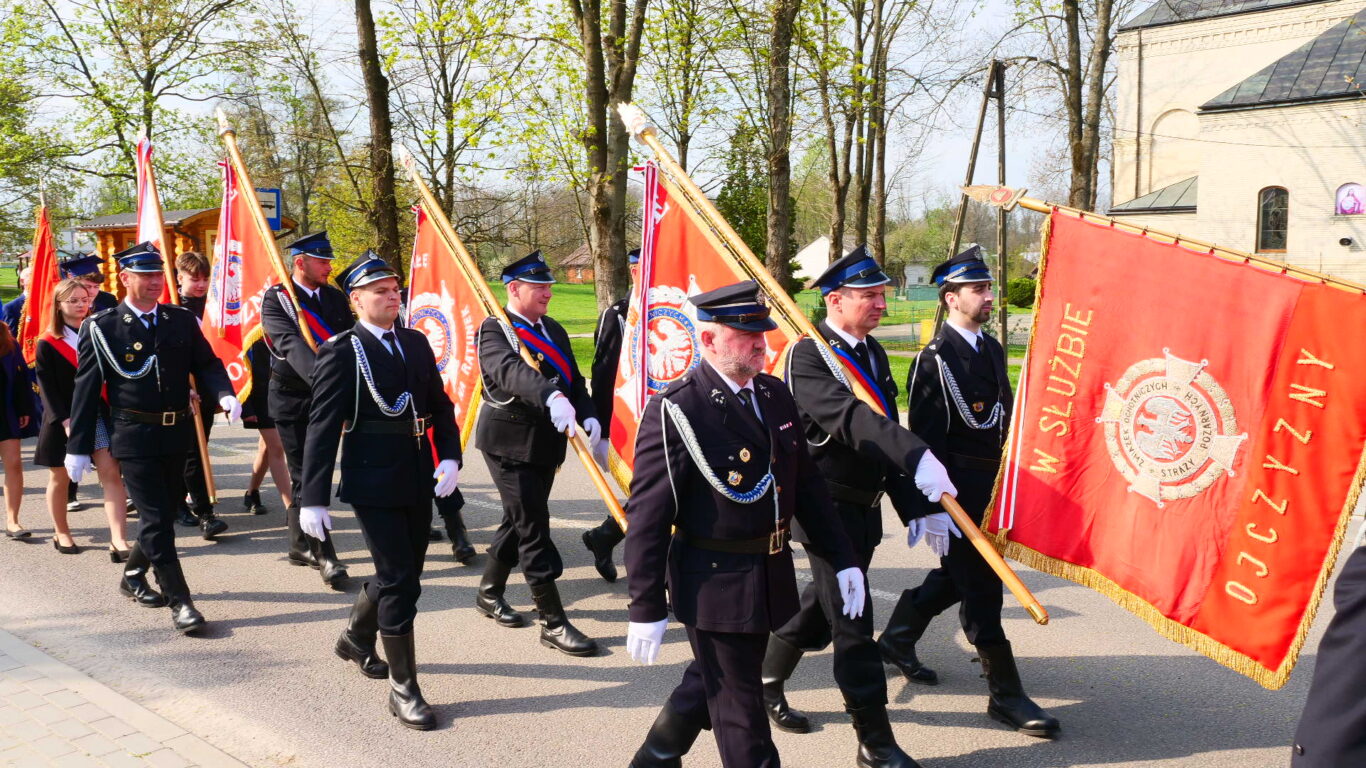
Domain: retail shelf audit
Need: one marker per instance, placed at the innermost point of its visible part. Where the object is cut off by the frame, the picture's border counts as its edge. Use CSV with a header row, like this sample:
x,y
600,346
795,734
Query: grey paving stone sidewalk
x,y
53,715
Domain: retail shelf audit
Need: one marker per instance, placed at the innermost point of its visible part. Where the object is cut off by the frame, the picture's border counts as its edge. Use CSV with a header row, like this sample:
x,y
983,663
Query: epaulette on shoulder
x,y
676,386
104,313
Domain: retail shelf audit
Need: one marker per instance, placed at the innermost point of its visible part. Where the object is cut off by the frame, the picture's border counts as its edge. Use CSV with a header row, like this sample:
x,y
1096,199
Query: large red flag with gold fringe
x,y
1188,439
239,276
42,283
677,260
444,306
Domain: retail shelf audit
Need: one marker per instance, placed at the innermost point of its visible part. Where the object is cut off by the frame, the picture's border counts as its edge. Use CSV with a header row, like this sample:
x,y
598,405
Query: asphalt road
x,y
263,685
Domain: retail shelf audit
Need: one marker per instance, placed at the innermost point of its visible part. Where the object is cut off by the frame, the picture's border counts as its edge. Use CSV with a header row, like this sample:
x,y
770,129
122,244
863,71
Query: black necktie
x,y
747,399
861,354
149,320
540,330
391,339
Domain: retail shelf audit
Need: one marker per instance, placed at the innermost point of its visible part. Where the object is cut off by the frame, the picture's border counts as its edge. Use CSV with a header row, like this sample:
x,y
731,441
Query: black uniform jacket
x,y
57,384
291,357
606,355
710,590
181,351
859,451
104,300
392,468
514,421
935,417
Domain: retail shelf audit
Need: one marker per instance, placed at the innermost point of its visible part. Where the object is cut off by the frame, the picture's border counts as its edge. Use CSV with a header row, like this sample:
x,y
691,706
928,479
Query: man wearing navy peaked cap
x,y
721,472
142,355
862,453
960,401
526,416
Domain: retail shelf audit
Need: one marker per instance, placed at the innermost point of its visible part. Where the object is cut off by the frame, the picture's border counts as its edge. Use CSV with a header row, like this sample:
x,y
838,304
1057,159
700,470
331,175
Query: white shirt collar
x,y
379,332
975,339
70,336
136,312
312,294
848,338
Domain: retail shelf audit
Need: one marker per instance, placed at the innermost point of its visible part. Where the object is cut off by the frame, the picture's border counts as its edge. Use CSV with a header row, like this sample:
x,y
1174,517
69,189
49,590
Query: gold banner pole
x,y
277,260
471,272
711,221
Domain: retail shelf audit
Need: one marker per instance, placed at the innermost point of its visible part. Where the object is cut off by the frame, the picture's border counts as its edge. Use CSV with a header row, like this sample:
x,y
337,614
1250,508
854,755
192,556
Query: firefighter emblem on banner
x,y
1170,428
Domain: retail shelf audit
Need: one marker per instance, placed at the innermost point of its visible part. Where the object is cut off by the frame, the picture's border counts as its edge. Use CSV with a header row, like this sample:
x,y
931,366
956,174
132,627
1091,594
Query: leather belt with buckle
x,y
159,418
771,544
407,427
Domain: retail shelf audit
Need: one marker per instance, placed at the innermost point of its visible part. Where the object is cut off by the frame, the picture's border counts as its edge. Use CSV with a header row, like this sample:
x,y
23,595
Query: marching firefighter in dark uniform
x,y
326,312
960,402
861,453
527,415
142,354
1332,729
721,472
376,390
607,338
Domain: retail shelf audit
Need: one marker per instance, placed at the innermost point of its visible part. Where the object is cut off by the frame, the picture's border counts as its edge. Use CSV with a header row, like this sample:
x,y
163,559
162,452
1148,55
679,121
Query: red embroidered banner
x,y
151,228
445,307
42,284
1188,439
239,276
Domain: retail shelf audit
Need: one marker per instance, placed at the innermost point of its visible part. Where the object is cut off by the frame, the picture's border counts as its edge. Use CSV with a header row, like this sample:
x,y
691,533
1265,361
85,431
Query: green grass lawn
x,y
9,283
573,306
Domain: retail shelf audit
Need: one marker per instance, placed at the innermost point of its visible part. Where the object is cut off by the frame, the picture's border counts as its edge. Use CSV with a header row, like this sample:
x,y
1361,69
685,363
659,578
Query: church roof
x,y
1331,66
1173,198
1177,11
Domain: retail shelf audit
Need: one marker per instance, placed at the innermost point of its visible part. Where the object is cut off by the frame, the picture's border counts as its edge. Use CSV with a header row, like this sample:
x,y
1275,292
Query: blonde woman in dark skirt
x,y
56,366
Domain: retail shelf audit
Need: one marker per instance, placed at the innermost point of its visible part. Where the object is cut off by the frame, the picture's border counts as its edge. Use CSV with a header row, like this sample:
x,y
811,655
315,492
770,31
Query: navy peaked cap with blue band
x,y
80,265
633,257
738,306
529,269
316,245
966,267
858,269
143,257
366,269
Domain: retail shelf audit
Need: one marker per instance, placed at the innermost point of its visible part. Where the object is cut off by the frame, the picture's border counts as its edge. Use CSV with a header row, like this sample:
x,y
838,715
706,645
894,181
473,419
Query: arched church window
x,y
1273,207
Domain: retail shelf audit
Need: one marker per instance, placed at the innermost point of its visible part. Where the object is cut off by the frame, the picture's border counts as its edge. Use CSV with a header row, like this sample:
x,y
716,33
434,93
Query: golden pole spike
x,y
703,211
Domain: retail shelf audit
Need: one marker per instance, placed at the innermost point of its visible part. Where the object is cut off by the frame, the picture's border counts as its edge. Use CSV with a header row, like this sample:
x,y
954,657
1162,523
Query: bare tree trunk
x,y
1073,102
383,208
1095,96
779,225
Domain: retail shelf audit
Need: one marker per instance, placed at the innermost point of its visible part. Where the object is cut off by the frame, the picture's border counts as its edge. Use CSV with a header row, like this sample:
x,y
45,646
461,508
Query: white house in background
x,y
917,274
1243,123
815,257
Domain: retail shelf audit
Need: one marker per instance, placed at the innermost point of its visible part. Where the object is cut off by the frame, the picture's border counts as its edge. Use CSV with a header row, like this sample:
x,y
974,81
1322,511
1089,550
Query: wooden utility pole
x,y
1001,281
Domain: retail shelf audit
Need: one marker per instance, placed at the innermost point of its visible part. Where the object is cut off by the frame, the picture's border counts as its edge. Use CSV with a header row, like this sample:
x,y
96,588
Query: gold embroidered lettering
x,y
1303,438
1074,345
1239,591
1274,463
1044,463
1269,538
1307,395
1257,495
1262,570
1307,358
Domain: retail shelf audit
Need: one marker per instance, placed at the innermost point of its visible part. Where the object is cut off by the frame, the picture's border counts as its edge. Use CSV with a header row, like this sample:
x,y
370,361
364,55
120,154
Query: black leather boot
x,y
601,541
300,552
184,616
325,553
433,534
1009,703
251,503
185,517
134,584
357,641
461,547
779,661
897,643
877,747
556,631
405,698
209,526
489,599
669,739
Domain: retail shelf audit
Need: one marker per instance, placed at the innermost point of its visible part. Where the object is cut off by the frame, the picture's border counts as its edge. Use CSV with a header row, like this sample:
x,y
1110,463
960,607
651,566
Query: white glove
x,y
315,522
938,528
561,413
600,455
77,465
594,430
914,530
932,479
643,639
231,407
852,589
447,474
